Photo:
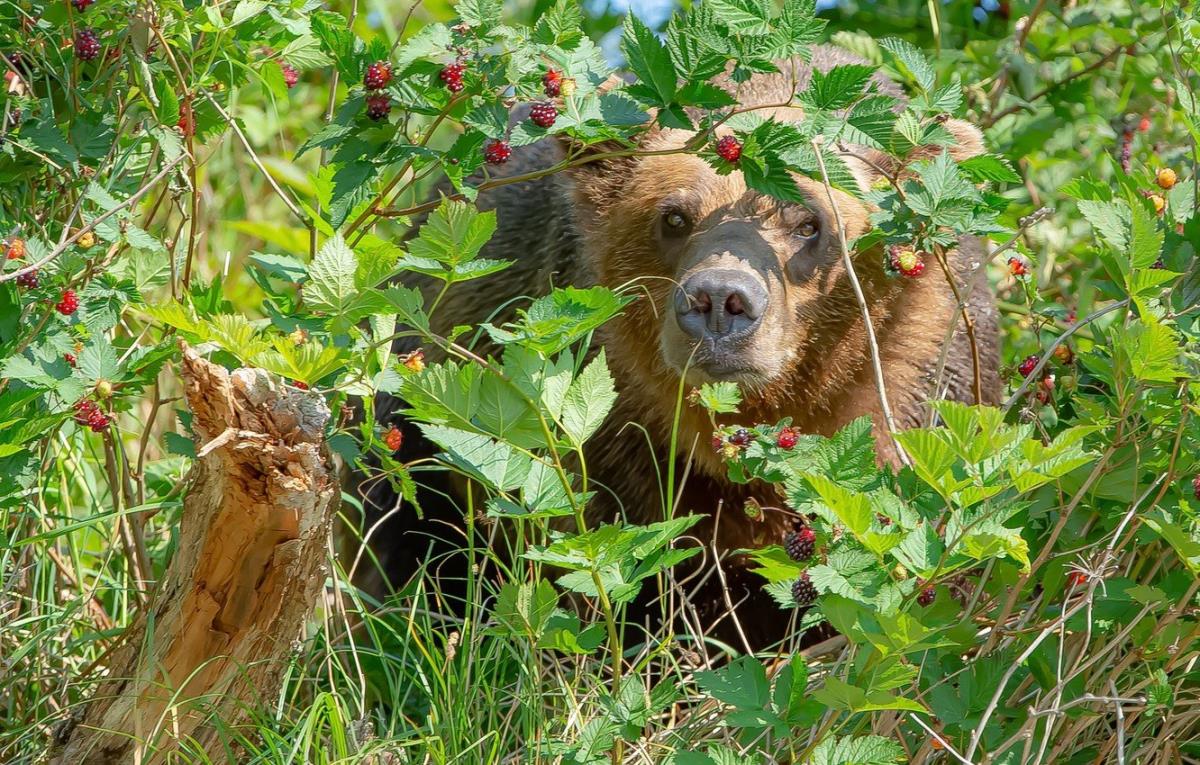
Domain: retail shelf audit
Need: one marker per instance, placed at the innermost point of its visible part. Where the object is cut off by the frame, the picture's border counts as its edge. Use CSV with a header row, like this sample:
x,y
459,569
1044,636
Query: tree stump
x,y
250,564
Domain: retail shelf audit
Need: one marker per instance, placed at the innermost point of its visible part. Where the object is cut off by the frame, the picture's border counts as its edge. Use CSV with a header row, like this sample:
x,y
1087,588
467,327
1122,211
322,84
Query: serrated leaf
x,y
649,60
588,400
911,60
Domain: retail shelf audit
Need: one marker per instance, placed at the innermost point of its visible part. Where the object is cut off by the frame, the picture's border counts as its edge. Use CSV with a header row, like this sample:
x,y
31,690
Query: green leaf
x,y
990,167
742,684
483,14
330,287
337,41
720,397
912,61
454,233
588,400
649,59
744,17
524,608
844,696
837,88
864,750
1146,240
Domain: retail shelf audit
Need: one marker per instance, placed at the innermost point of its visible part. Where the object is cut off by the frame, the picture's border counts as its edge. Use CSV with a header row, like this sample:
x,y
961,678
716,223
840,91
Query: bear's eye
x,y
675,222
808,229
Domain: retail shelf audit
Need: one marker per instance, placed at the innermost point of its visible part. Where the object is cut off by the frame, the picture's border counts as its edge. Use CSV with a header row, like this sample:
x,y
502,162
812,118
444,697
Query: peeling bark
x,y
249,567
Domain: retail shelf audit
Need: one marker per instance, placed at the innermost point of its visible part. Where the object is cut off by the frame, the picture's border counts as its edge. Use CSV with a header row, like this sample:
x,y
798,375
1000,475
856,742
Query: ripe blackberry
x,y
290,74
1166,178
394,438
927,596
1017,266
452,76
543,114
497,152
800,545
16,248
378,106
552,82
28,280
68,303
803,591
87,45
377,76
741,437
81,5
786,439
1028,364
729,148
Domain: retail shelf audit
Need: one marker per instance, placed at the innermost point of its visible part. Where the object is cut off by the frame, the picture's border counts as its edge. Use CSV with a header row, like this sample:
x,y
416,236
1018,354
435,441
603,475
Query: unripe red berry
x,y
87,45
906,261
1077,579
786,439
377,76
803,591
394,438
290,74
552,82
1028,364
729,148
69,358
68,303
1144,124
28,280
1064,354
300,384
187,120
378,106
497,152
543,114
927,596
1017,266
452,76
718,442
16,248
1166,178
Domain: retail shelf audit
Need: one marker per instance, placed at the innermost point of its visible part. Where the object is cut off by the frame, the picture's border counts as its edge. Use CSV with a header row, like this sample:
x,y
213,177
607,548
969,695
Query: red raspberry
x,y
300,385
69,358
1196,486
394,439
543,114
906,261
497,152
81,5
803,591
378,76
452,76
1017,266
552,82
741,437
68,303
290,74
729,149
378,106
927,596
1027,366
16,248
87,45
87,413
28,280
786,439
800,545
1077,579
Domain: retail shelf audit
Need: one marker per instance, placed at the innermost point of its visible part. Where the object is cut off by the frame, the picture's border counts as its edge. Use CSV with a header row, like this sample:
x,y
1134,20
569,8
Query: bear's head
x,y
740,285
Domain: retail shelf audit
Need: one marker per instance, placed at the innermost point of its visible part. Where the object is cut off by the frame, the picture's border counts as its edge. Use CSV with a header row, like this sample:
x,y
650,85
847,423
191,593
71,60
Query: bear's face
x,y
739,282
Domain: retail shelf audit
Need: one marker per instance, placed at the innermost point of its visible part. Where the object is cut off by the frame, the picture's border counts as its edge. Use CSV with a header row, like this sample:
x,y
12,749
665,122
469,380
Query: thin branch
x,y
1100,62
872,343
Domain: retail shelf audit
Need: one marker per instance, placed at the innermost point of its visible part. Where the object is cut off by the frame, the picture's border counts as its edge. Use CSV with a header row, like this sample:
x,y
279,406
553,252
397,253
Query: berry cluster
x,y
376,78
394,438
729,148
87,45
804,592
800,545
68,303
28,280
904,260
497,152
89,414
787,438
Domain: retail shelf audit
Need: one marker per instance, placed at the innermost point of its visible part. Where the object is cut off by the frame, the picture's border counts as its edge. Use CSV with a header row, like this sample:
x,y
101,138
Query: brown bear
x,y
734,285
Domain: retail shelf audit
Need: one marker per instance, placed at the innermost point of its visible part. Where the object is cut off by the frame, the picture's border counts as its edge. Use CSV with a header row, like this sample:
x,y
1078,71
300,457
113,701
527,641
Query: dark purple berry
x,y
803,591
741,437
543,114
927,596
378,106
800,545
28,280
552,82
1028,365
81,5
87,45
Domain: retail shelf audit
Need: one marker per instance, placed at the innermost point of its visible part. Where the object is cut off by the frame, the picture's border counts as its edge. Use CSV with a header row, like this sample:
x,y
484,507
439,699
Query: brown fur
x,y
597,226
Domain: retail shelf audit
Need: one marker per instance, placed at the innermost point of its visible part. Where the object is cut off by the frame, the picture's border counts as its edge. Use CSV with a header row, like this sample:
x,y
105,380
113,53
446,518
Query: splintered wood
x,y
249,566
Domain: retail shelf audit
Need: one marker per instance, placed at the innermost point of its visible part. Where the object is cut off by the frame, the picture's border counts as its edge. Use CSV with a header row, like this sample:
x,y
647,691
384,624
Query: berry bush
x,y
255,178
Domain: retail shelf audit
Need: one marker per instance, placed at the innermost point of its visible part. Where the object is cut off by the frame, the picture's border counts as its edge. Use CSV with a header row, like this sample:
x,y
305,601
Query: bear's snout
x,y
720,304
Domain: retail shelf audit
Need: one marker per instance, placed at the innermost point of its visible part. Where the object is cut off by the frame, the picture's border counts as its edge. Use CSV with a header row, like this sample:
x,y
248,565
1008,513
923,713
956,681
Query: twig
x,y
937,736
1107,57
965,312
872,343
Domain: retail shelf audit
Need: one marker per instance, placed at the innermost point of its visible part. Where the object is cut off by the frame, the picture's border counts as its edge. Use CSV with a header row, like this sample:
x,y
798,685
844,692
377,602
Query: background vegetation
x,y
157,164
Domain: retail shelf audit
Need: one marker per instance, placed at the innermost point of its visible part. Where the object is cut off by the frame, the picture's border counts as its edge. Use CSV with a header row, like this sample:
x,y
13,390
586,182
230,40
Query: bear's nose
x,y
719,302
